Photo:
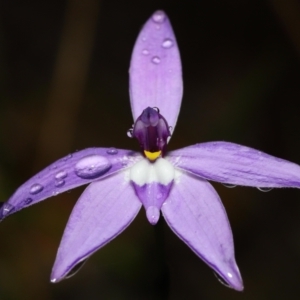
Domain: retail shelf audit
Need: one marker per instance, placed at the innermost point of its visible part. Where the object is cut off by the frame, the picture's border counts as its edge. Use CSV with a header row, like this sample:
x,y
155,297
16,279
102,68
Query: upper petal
x,y
67,173
235,164
155,70
195,213
102,212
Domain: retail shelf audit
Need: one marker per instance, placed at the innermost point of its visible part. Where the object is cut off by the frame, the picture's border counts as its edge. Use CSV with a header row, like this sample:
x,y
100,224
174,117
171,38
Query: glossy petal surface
x,y
155,70
195,213
102,212
74,170
238,165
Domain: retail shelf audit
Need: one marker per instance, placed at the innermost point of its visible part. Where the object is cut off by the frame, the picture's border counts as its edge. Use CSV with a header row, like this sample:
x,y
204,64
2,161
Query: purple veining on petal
x,y
235,164
152,196
74,170
151,82
102,212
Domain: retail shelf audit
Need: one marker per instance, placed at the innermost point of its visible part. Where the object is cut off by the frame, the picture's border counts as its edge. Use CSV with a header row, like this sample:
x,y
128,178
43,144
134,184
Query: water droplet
x,y
67,157
159,17
53,280
230,186
170,129
265,189
155,60
61,175
144,39
167,43
59,183
221,280
112,151
55,193
27,201
92,166
7,208
75,269
36,188
145,52
130,133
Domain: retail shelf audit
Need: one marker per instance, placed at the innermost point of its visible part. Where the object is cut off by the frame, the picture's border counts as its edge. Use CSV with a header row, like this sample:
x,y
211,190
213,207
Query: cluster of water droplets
x,y
89,167
262,189
158,18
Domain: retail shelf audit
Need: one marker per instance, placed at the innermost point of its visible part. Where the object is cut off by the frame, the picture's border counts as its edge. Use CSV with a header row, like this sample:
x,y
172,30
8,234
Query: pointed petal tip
x,y
153,214
231,277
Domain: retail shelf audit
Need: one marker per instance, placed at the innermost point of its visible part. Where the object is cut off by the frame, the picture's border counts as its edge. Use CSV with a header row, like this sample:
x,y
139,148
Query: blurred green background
x,y
64,86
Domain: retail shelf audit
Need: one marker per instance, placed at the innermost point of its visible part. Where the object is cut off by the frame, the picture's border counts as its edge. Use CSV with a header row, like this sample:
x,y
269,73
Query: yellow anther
x,y
152,155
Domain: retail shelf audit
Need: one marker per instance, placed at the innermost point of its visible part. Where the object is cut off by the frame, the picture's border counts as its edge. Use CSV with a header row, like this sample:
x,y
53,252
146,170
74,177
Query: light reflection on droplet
x,y
167,43
155,60
159,17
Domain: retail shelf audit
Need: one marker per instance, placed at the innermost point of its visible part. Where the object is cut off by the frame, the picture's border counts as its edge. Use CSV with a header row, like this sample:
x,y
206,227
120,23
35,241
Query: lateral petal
x,y
235,164
155,70
102,212
195,213
74,170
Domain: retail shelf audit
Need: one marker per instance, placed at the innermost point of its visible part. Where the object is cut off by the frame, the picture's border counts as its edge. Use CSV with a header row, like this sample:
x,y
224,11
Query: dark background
x,y
64,86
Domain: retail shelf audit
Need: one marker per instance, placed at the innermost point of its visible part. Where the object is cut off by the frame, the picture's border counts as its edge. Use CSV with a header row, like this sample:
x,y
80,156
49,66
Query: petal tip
x,y
153,214
231,279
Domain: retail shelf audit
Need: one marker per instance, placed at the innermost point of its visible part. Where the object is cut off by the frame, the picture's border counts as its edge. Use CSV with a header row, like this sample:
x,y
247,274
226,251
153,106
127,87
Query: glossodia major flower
x,y
174,183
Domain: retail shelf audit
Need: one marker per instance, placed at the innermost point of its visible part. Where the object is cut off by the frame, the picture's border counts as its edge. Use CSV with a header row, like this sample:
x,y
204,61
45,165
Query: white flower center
x,y
161,171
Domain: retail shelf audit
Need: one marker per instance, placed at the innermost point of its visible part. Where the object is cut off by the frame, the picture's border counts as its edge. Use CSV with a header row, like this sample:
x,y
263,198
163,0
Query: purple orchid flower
x,y
175,182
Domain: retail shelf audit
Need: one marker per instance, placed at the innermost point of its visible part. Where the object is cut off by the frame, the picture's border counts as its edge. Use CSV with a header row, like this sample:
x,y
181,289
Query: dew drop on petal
x,y
155,60
230,186
92,166
129,132
6,209
61,175
28,201
159,17
145,52
265,189
153,214
36,188
55,193
221,280
59,183
75,269
67,157
112,151
167,43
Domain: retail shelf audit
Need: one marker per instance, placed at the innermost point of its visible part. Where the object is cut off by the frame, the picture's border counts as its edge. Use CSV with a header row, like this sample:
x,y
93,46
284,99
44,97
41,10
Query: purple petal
x,y
74,170
234,164
195,213
102,212
155,70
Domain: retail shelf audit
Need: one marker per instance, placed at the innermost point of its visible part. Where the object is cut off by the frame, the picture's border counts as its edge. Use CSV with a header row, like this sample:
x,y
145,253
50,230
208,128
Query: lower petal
x,y
103,211
195,213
